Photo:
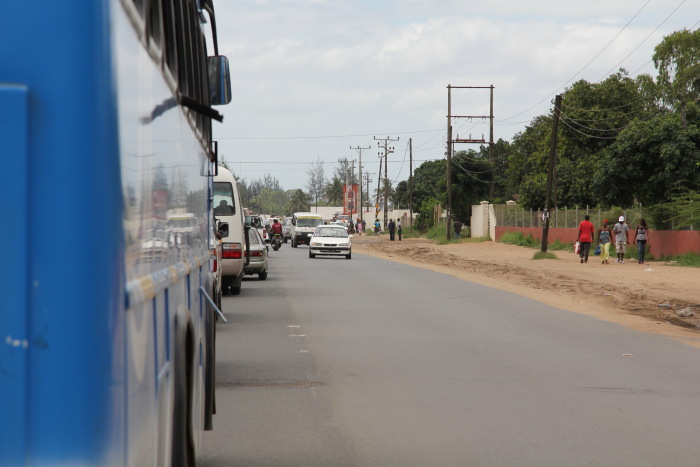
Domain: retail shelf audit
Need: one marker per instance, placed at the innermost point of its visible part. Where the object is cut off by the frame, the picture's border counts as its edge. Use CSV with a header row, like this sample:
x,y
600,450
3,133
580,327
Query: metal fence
x,y
515,216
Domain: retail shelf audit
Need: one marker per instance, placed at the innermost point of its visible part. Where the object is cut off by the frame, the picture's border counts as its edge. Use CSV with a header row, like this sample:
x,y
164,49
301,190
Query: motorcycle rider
x,y
276,231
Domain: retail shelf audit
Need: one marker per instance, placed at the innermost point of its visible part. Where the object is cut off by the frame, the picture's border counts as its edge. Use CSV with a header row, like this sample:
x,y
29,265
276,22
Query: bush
x,y
517,238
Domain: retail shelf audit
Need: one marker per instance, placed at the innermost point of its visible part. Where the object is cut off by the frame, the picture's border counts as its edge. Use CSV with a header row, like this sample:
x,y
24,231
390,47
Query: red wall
x,y
661,242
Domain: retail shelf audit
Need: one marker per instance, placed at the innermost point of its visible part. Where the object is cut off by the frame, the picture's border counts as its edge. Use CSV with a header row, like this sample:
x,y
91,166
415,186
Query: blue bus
x,y
107,283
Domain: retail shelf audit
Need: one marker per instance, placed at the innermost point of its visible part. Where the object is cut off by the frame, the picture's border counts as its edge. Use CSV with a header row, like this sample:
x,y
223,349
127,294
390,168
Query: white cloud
x,y
319,68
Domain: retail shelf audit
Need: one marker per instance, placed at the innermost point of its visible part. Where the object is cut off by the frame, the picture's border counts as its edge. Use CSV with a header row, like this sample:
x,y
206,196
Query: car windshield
x,y
308,222
331,232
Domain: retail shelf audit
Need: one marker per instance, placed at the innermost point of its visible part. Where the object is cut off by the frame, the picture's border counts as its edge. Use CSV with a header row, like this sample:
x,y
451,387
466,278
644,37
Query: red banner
x,y
350,199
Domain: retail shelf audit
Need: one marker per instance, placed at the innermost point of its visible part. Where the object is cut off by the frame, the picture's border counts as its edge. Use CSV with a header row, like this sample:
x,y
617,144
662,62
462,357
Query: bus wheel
x,y
182,448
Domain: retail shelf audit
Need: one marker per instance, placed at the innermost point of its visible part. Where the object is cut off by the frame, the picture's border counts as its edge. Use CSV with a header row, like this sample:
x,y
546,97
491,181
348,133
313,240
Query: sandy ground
x,y
646,297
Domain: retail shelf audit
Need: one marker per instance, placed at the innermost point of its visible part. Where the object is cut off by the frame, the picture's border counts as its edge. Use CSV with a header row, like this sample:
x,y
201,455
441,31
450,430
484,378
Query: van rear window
x,y
223,199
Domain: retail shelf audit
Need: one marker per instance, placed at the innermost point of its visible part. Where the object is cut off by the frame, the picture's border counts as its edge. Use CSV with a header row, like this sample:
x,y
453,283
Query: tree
x,y
346,170
472,175
649,162
298,201
317,180
401,195
334,192
677,60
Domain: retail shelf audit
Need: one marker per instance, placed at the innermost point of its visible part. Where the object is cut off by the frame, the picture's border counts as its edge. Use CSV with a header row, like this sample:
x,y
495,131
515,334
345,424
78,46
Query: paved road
x,y
429,370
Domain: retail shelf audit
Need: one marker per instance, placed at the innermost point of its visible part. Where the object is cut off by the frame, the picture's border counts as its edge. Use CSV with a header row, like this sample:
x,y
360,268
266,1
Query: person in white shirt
x,y
621,241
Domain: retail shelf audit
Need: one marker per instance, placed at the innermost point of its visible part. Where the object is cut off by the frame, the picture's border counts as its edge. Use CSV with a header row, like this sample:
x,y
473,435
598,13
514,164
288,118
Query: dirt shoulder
x,y
628,294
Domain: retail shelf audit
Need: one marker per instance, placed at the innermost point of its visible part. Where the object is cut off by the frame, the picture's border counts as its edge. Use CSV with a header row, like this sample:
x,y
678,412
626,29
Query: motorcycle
x,y
276,242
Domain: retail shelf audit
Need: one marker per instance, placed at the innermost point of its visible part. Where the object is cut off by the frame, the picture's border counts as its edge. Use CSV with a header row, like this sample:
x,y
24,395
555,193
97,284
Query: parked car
x,y
330,240
258,256
257,223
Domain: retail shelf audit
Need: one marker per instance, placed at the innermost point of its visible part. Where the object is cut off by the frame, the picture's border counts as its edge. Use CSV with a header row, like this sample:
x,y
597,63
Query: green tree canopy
x,y
677,59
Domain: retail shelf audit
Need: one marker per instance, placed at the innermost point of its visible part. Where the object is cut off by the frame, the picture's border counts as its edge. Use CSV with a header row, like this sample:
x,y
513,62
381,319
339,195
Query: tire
x,y
226,285
236,285
210,367
182,443
349,255
311,255
262,276
294,243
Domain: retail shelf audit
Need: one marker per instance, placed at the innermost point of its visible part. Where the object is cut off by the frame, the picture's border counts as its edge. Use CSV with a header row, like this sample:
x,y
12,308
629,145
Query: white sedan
x,y
330,240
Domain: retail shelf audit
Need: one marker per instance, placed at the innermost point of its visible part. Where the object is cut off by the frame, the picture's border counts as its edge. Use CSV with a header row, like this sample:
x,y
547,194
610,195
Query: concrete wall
x,y
661,242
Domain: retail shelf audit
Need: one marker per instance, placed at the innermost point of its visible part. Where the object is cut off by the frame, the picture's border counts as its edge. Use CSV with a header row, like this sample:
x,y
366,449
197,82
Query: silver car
x,y
330,240
258,256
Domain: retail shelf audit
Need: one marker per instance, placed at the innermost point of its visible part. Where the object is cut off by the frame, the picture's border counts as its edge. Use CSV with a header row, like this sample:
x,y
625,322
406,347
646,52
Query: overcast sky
x,y
311,78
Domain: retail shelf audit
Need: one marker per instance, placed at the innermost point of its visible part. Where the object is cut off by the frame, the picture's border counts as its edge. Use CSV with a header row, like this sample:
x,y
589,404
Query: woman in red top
x,y
586,231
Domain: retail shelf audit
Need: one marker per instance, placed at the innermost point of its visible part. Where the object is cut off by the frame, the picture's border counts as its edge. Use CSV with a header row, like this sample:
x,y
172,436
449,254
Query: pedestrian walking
x,y
642,238
620,229
605,236
359,228
392,229
586,231
364,225
377,227
398,228
458,229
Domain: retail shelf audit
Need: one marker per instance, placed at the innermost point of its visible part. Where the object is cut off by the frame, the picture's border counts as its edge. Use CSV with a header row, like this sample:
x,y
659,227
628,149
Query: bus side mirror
x,y
223,229
219,80
247,222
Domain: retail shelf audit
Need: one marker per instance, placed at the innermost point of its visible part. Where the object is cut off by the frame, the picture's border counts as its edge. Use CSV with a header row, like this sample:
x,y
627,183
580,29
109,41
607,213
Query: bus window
x,y
223,199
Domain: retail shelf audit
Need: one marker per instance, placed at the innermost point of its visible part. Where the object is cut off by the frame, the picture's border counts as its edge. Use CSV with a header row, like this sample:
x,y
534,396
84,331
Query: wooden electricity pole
x,y
551,170
359,152
410,183
387,151
451,141
448,212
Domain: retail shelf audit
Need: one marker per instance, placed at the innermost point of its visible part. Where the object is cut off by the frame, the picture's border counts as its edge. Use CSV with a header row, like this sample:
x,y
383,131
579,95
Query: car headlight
x,y
316,244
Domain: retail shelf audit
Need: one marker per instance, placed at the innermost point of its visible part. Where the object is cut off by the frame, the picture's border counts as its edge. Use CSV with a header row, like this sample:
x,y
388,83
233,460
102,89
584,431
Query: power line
x,y
319,137
586,65
645,39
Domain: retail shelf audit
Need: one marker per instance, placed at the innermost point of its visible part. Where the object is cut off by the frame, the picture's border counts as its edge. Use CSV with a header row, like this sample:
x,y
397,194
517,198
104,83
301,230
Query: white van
x,y
303,226
228,208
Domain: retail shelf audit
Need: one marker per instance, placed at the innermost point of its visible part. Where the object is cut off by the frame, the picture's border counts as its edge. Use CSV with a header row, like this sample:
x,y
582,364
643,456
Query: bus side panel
x,y
75,407
14,179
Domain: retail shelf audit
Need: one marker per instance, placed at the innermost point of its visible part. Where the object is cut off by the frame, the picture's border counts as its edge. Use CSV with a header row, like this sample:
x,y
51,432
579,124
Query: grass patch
x,y
691,260
406,232
544,255
558,246
439,234
517,238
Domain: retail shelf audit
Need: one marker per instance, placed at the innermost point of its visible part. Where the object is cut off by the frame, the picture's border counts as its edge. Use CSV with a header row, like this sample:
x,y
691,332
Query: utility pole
x,y
492,185
551,170
448,211
379,184
359,152
367,182
354,195
410,183
451,141
387,151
